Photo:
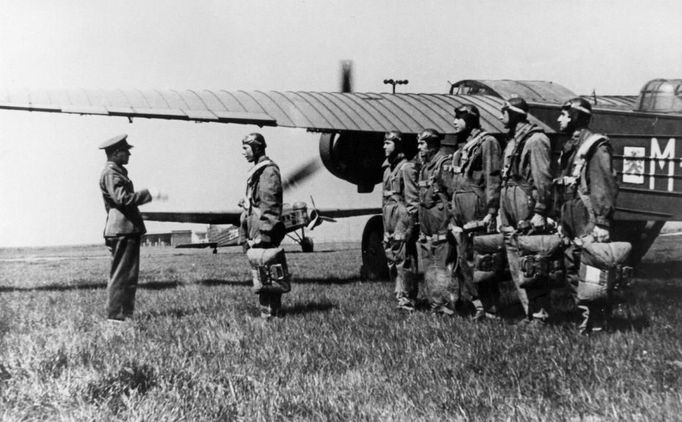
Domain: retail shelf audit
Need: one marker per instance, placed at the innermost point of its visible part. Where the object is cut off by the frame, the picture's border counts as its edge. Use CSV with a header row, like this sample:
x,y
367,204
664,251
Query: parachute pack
x,y
269,269
489,256
602,268
541,259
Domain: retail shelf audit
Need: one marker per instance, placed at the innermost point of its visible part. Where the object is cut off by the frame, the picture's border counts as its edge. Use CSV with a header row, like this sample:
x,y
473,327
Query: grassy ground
x,y
197,352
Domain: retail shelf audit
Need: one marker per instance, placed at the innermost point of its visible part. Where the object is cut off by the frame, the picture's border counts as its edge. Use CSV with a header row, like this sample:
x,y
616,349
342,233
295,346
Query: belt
x,y
434,237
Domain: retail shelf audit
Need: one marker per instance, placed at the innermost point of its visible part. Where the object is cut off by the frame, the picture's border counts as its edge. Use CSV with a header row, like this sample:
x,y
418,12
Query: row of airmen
x,y
429,202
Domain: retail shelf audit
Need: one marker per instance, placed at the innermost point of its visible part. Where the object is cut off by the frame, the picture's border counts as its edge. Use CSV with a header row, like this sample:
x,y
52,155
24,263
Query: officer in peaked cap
x,y
117,142
124,227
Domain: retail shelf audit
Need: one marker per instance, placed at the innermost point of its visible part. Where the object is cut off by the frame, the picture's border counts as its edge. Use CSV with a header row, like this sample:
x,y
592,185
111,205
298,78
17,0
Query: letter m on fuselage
x,y
667,156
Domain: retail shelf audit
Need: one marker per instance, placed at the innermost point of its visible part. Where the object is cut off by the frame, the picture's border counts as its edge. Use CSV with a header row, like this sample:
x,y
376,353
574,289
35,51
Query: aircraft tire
x,y
307,244
374,266
641,234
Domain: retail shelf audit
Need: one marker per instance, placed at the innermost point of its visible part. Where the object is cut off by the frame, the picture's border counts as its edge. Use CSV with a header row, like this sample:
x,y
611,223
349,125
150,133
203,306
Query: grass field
x,y
197,352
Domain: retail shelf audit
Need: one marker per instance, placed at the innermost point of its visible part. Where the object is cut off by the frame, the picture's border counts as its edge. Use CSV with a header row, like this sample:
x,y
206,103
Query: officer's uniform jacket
x,y
400,196
527,165
476,167
121,202
263,202
435,193
596,183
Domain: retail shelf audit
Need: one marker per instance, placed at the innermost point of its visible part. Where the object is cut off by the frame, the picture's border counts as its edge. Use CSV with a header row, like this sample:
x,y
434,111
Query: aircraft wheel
x,y
641,234
307,244
374,266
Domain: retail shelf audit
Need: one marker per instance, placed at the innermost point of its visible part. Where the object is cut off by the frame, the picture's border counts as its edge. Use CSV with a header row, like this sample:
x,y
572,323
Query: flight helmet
x,y
579,111
397,137
431,136
470,114
256,141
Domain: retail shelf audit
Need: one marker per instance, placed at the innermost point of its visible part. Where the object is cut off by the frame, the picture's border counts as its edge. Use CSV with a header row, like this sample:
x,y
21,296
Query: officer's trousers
x,y
123,277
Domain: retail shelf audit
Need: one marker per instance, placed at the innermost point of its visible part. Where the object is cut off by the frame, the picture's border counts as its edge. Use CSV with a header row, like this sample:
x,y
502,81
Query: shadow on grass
x,y
309,307
156,285
326,280
210,282
296,252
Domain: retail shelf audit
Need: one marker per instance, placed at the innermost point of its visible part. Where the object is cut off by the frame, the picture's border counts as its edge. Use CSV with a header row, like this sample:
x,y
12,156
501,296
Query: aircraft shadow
x,y
648,270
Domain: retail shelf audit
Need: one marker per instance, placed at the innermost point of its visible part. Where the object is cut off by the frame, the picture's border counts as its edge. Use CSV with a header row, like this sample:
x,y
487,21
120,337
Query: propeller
x,y
315,218
300,174
347,76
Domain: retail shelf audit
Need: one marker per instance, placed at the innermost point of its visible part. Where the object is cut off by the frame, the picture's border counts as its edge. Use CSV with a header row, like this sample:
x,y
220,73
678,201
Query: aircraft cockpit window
x,y
661,96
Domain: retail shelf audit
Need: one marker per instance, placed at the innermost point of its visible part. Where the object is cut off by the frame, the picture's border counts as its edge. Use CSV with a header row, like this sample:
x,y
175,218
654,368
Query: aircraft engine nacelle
x,y
355,157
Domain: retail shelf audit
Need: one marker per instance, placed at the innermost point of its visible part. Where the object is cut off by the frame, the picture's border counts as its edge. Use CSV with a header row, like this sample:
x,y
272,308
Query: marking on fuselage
x,y
633,168
662,158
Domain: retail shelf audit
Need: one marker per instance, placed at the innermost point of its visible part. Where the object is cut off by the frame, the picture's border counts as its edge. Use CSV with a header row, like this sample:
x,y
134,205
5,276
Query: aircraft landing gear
x,y
641,234
307,244
374,266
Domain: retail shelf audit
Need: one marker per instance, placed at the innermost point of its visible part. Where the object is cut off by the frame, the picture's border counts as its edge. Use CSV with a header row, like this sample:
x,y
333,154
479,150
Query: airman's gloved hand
x,y
600,234
158,195
538,221
490,221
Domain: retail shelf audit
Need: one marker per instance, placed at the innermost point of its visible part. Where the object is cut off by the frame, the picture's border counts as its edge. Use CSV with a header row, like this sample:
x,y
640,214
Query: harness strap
x,y
512,166
253,172
467,152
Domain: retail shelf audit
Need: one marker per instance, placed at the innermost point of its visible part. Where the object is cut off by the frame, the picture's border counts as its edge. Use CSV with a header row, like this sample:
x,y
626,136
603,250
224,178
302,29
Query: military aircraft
x,y
223,229
643,129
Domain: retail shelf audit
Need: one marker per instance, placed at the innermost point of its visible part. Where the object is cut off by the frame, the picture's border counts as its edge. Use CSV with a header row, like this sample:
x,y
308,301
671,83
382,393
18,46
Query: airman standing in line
x,y
262,226
476,168
124,227
400,212
436,249
588,192
525,197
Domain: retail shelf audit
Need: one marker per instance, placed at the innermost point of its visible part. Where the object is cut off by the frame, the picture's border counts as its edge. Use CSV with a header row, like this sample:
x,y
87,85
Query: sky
x,y
50,163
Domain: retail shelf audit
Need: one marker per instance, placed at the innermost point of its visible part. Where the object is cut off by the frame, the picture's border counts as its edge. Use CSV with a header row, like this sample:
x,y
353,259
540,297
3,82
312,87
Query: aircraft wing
x,y
232,216
226,217
314,111
343,213
197,245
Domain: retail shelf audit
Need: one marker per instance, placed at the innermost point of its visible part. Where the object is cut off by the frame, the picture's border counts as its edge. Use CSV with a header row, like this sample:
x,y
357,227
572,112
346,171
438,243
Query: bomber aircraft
x,y
643,129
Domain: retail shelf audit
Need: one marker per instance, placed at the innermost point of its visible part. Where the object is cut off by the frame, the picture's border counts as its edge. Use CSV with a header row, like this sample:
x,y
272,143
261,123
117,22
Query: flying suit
x,y
400,212
476,168
526,190
261,220
435,178
122,232
585,202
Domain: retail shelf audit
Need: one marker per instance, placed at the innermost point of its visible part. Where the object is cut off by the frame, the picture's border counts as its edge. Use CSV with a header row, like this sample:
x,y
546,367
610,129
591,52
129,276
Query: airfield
x,y
197,350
